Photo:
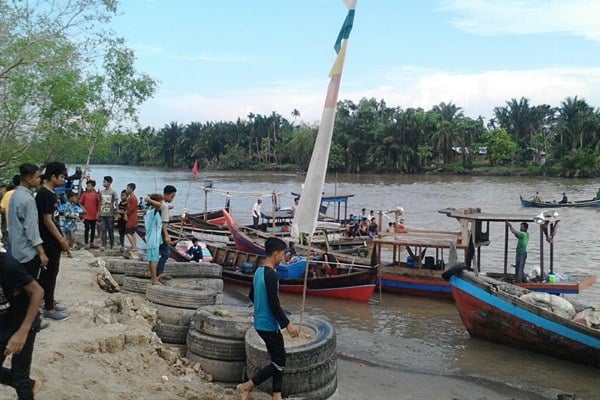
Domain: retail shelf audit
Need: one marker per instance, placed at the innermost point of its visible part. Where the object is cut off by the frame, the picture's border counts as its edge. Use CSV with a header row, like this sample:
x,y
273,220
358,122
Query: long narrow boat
x,y
496,311
426,255
556,204
357,284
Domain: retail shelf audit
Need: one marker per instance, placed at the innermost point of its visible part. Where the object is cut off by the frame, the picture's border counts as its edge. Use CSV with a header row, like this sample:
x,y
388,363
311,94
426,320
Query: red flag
x,y
195,168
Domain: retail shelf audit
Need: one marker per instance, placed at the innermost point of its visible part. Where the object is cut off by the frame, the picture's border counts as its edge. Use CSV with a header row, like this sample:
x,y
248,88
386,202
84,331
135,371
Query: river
x,y
406,333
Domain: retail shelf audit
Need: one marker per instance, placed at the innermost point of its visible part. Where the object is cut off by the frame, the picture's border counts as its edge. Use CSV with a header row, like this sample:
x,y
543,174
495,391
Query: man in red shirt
x,y
90,201
131,216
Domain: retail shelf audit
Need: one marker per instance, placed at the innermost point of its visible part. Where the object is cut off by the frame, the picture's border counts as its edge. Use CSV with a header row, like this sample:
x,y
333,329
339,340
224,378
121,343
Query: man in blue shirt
x,y
269,319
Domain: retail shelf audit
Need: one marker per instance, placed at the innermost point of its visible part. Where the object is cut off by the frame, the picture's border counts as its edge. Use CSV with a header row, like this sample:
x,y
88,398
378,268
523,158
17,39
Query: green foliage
x,y
501,147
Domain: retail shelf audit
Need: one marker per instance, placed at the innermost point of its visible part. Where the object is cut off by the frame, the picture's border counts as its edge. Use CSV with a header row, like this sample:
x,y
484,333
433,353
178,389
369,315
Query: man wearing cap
x,y
169,193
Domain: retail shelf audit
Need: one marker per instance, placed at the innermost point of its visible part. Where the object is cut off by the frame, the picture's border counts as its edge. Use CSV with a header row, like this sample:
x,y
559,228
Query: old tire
x,y
118,277
140,269
136,285
168,333
311,366
215,348
173,315
223,321
220,370
180,297
115,265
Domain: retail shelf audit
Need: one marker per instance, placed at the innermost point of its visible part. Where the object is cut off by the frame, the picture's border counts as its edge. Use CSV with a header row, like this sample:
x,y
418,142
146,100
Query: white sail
x,y
307,212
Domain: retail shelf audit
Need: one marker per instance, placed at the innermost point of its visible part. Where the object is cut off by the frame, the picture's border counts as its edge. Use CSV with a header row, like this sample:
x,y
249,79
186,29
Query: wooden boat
x,y
421,274
495,311
349,284
556,204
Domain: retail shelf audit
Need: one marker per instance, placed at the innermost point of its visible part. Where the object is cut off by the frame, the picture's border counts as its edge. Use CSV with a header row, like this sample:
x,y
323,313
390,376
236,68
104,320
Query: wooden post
x,y
542,250
505,251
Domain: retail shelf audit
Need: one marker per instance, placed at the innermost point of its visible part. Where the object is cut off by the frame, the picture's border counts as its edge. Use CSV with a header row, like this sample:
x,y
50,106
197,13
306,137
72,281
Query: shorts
x,y
152,255
130,231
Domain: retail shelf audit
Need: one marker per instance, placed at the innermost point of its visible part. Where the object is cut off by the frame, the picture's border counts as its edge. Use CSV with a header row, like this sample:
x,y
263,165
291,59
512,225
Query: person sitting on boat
x,y
290,257
351,226
194,252
330,265
564,199
363,229
536,198
373,228
597,195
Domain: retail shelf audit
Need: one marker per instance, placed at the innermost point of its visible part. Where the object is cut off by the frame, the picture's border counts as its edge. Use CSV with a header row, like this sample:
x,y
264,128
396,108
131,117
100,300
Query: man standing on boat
x,y
256,213
521,253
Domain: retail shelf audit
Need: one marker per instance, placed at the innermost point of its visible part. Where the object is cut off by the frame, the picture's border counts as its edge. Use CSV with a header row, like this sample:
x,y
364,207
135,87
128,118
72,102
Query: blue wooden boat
x,y
556,204
496,311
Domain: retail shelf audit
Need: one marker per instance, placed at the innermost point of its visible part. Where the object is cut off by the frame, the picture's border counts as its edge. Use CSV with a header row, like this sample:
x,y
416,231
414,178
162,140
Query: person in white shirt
x,y
256,213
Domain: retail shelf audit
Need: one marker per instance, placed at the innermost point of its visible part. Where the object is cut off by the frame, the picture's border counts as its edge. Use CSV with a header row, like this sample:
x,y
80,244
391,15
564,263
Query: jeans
x,y
17,376
89,234
165,252
276,349
108,229
520,267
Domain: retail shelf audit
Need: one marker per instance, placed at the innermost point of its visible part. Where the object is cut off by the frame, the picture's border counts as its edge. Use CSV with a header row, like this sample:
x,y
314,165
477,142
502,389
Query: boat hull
x,y
357,288
555,204
429,283
505,320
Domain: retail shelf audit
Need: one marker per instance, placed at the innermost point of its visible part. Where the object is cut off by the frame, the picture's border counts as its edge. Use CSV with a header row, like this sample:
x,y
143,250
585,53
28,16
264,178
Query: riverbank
x,y
106,349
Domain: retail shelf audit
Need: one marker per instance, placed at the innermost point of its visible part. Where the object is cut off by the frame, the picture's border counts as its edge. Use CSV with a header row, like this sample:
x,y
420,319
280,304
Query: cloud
x,y
476,93
499,17
479,93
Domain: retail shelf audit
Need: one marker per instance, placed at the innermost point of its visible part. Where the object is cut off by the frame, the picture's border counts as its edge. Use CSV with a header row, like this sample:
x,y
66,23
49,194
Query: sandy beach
x,y
107,349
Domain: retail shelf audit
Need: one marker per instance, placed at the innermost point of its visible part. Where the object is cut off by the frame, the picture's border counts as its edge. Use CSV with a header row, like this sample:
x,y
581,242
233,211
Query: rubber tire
x,y
173,315
168,333
298,358
233,327
221,371
140,269
118,278
215,348
180,297
115,265
300,382
135,285
310,367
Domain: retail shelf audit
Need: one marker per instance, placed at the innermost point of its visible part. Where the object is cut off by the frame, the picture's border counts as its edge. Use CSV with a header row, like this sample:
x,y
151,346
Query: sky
x,y
219,60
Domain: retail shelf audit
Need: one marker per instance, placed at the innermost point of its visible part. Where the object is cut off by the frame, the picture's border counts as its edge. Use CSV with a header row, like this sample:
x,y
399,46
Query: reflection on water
x,y
412,333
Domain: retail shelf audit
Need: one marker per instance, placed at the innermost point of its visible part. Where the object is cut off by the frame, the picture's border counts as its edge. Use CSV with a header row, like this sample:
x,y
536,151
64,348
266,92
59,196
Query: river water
x,y
406,333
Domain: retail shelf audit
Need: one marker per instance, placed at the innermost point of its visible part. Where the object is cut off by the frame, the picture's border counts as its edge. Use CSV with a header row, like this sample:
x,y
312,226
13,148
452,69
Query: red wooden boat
x,y
497,311
348,284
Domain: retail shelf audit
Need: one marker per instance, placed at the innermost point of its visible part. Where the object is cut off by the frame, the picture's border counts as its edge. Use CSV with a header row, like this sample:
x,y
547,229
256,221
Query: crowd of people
x,y
39,216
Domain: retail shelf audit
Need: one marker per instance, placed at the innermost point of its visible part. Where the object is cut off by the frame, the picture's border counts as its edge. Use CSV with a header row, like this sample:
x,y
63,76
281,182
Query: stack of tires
x,y
177,304
311,364
216,341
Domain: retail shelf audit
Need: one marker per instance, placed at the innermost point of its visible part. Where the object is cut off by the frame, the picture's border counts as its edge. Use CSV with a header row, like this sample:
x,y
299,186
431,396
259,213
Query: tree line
x,y
372,136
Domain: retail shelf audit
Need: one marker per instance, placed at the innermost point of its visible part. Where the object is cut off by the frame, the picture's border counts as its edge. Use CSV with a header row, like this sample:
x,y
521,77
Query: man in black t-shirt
x,y
20,296
54,241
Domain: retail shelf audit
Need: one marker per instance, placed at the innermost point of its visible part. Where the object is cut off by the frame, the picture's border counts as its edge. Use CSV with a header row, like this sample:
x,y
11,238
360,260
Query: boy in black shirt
x,y
54,241
20,296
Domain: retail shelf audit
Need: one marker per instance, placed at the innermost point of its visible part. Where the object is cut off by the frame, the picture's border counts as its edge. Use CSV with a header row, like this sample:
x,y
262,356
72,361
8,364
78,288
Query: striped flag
x,y
307,212
195,168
